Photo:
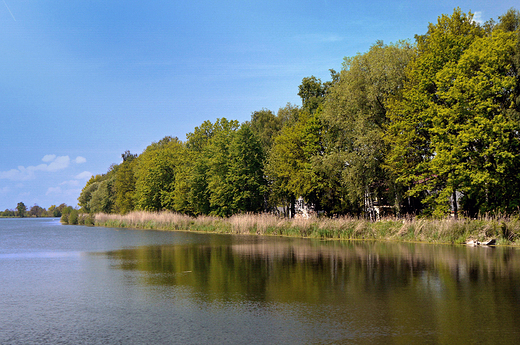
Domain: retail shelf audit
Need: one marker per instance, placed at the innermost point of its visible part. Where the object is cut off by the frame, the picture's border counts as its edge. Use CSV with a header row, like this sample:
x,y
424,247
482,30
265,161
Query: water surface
x,y
85,285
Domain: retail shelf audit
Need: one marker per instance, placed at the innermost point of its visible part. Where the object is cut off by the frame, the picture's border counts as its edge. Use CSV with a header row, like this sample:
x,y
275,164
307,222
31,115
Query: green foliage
x,y
155,175
312,91
356,116
22,209
449,128
411,112
86,193
246,172
73,217
36,211
423,128
65,213
265,125
125,184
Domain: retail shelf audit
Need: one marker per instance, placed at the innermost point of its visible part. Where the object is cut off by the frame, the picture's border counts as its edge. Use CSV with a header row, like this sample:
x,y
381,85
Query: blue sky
x,y
83,81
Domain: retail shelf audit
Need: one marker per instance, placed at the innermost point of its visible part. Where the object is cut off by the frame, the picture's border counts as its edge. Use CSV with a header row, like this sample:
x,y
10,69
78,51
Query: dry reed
x,y
505,229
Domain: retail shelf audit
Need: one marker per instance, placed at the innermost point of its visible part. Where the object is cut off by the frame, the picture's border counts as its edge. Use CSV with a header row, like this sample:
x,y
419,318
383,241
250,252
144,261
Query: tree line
x,y
22,211
430,127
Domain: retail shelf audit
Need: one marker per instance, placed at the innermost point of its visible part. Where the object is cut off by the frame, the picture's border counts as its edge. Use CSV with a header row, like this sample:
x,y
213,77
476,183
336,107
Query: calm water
x,y
82,285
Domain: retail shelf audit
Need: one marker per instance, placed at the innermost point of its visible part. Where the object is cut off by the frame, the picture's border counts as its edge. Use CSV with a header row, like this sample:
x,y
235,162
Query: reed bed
x,y
505,230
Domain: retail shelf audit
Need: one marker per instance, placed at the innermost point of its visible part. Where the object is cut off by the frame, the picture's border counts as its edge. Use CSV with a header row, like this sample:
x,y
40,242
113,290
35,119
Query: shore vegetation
x,y
504,230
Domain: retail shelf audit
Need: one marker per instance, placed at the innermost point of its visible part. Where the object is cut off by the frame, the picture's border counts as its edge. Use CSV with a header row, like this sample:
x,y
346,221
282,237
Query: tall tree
x,y
476,142
125,183
412,112
355,116
265,125
155,175
246,171
22,209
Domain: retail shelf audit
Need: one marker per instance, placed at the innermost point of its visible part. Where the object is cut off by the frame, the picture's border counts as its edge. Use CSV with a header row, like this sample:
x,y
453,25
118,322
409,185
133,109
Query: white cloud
x,y
80,160
83,176
73,183
48,158
477,17
23,173
59,163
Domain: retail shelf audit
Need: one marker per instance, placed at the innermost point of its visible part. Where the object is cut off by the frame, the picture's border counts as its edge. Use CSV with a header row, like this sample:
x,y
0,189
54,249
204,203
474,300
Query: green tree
x,y
125,183
86,193
412,111
218,159
246,171
22,209
155,175
36,211
355,116
103,198
287,166
204,190
312,91
265,125
475,140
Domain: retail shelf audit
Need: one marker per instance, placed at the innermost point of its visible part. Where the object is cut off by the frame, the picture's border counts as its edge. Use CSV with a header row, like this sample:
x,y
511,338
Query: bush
x,y
65,218
73,217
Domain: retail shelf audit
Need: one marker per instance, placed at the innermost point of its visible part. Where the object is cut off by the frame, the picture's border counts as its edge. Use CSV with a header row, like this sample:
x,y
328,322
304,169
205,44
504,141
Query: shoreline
x,y
504,230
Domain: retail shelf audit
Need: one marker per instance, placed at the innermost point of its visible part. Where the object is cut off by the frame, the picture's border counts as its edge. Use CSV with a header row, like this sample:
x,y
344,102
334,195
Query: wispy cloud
x,y
477,17
72,183
83,176
27,173
48,158
9,11
80,160
66,187
53,190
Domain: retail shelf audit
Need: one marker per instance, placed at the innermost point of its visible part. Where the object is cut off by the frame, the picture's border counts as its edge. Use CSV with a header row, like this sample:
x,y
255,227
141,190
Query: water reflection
x,y
447,293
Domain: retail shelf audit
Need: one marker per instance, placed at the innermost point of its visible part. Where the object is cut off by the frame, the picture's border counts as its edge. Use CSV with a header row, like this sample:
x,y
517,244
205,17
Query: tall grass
x,y
506,230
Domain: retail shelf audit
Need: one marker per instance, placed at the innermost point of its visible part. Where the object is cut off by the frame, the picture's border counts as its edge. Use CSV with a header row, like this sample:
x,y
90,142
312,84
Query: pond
x,y
88,285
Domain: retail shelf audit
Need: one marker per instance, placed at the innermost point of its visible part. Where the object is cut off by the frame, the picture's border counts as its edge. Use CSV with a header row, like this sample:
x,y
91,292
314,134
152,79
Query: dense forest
x,y
424,128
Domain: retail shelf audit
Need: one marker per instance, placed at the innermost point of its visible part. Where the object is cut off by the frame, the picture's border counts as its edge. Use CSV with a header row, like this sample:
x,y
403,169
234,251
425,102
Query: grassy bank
x,y
506,230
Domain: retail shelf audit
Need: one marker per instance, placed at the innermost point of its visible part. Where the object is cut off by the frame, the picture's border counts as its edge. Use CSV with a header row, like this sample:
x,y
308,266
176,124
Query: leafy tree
x,y
287,166
312,91
265,125
22,209
8,213
65,212
355,116
476,143
288,115
246,171
103,198
73,217
218,166
204,189
36,211
86,193
509,22
155,175
125,183
411,112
